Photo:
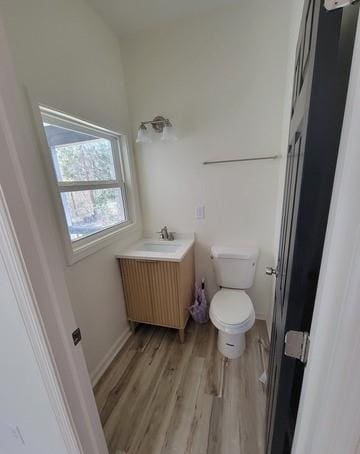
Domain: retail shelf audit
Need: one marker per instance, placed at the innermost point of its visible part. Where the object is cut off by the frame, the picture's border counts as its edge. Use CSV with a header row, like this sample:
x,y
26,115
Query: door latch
x,y
269,270
297,345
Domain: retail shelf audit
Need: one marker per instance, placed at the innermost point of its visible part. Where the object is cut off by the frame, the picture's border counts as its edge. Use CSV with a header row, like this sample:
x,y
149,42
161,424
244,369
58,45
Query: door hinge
x,y
335,4
297,345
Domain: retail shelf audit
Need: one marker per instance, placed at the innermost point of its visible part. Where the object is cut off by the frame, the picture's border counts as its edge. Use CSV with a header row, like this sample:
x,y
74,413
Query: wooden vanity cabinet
x,y
159,292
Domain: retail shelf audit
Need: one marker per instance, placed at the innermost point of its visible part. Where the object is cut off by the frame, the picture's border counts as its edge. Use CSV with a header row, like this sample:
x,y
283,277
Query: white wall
x,y
70,60
29,203
221,78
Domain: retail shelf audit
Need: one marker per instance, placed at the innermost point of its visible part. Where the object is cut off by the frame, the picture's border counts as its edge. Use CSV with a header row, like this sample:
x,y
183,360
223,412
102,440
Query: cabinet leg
x,y
182,335
132,326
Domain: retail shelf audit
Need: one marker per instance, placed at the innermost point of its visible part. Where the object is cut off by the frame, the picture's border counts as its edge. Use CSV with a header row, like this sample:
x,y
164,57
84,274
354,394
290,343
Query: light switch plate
x,y
200,212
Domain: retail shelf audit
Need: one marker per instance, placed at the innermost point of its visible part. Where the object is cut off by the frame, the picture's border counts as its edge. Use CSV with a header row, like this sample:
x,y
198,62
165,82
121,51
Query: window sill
x,y
75,253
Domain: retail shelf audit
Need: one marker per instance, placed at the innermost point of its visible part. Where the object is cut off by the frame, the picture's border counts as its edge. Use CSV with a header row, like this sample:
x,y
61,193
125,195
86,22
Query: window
x,y
88,172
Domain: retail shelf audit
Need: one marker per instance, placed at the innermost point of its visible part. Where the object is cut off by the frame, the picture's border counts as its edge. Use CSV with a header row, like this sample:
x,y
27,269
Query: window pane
x,y
78,156
88,212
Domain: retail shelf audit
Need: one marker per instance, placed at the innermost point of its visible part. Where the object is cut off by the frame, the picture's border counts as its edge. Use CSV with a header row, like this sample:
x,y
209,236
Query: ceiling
x,y
133,16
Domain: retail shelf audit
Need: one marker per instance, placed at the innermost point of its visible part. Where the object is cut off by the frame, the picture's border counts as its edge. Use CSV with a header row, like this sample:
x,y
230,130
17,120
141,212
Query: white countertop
x,y
155,249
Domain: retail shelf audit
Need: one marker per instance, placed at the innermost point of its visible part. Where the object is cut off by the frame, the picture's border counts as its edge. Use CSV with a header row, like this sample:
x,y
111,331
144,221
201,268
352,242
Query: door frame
x,y
329,416
50,313
30,317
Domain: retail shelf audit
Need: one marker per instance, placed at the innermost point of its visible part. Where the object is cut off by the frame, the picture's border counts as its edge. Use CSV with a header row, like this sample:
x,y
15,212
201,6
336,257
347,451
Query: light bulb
x,y
143,135
168,133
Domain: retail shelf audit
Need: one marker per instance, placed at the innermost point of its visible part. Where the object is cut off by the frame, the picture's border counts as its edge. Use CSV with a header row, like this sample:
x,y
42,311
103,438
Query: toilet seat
x,y
232,311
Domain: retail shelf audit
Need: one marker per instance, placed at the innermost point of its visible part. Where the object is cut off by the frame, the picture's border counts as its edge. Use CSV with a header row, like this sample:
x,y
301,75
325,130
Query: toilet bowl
x,y
231,309
232,313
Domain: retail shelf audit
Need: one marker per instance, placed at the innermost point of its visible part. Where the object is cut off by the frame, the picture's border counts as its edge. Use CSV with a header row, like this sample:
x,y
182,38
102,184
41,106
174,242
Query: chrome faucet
x,y
165,234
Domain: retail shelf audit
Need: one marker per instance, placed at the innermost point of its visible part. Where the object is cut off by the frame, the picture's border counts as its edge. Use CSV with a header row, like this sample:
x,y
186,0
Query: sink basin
x,y
154,249
159,247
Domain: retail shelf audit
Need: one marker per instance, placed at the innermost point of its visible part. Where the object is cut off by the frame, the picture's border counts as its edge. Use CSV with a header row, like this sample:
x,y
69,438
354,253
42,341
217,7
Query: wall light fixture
x,y
160,125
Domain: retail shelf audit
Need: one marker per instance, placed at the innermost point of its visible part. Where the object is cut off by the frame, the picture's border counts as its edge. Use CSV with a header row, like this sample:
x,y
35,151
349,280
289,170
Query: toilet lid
x,y
232,307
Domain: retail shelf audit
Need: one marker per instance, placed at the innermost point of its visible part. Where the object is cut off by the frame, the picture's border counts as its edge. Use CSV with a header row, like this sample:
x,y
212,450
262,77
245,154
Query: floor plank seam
x,y
170,398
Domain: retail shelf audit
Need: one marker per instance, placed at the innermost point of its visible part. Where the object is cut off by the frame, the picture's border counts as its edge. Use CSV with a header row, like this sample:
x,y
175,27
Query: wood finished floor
x,y
161,397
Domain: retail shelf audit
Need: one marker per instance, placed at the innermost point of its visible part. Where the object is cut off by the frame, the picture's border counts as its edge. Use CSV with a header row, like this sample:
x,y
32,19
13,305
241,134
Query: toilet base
x,y
231,345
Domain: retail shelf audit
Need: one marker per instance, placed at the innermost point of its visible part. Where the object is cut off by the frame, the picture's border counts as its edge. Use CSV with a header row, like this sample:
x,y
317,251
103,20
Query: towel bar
x,y
241,160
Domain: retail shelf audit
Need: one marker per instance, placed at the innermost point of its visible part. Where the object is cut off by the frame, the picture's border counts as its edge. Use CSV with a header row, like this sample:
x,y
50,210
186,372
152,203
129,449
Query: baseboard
x,y
98,372
260,316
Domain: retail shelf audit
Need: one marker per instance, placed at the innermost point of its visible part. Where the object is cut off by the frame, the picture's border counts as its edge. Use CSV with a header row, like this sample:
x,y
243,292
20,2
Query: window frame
x,y
79,248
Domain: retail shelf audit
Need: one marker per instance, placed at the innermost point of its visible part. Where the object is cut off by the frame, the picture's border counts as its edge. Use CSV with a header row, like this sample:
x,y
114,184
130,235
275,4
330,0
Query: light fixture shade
x,y
169,134
143,135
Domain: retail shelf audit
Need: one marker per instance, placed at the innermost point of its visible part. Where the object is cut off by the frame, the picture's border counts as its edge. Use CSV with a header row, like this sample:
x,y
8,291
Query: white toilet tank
x,y
234,267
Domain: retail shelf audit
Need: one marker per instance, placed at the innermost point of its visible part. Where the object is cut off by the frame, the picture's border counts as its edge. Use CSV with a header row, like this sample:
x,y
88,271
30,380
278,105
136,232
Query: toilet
x,y
231,309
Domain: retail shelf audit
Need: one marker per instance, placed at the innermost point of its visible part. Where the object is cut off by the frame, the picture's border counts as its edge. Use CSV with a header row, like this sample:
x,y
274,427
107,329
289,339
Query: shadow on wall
x,y
204,268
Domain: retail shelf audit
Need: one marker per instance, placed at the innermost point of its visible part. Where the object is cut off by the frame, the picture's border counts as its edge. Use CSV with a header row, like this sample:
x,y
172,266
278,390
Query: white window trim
x,y
79,249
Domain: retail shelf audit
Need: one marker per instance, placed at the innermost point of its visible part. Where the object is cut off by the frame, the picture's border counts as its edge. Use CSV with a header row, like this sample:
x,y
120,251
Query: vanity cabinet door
x,y
137,290
159,292
163,278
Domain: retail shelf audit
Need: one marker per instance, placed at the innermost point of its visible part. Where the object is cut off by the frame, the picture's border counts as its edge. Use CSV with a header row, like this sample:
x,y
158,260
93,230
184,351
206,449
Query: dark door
x,y
323,60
